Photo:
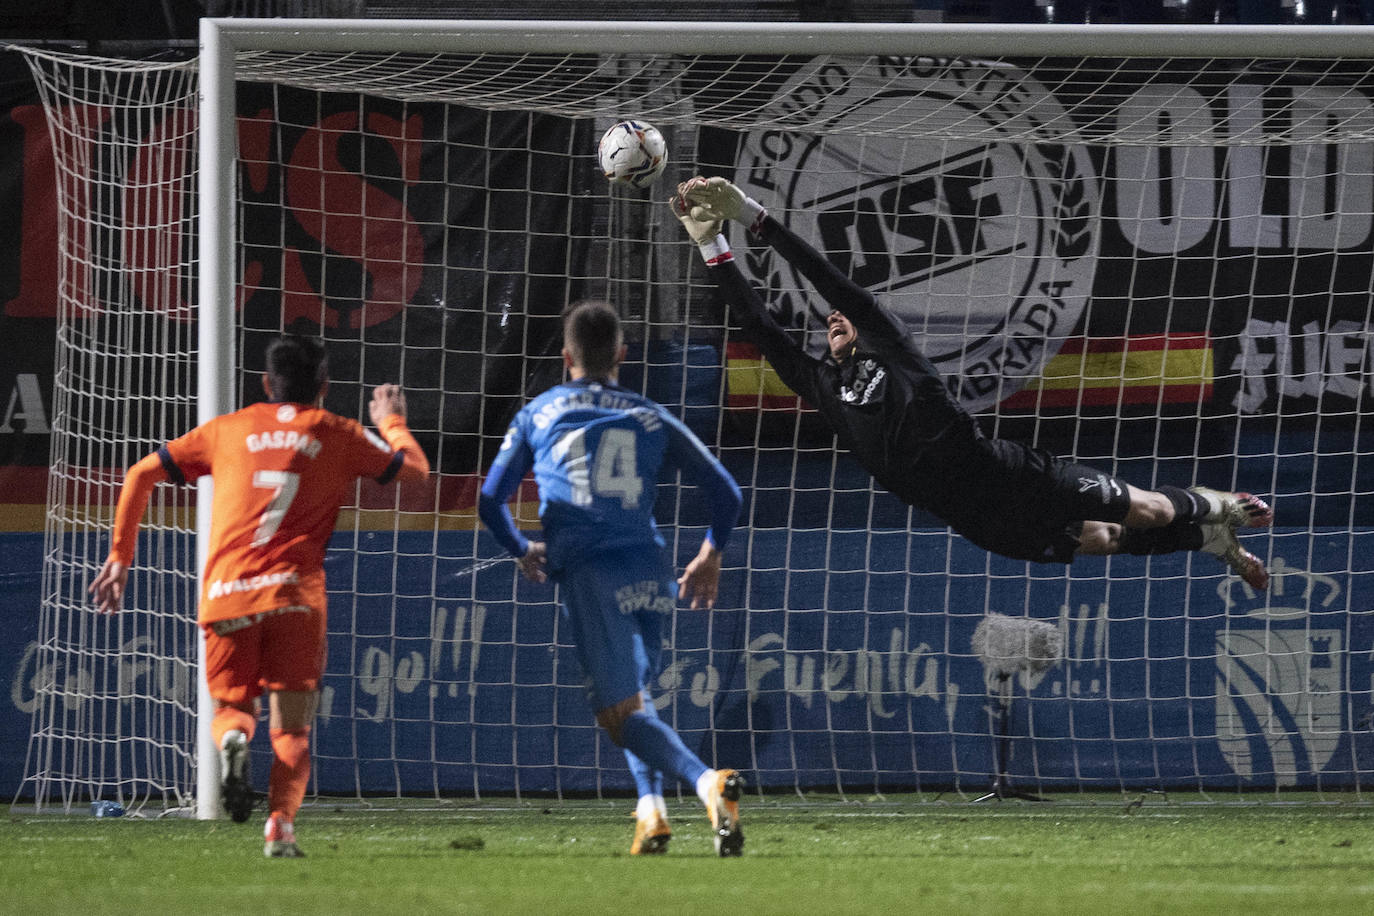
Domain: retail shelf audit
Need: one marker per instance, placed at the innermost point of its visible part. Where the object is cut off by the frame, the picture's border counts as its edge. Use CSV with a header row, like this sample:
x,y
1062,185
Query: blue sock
x,y
651,740
648,781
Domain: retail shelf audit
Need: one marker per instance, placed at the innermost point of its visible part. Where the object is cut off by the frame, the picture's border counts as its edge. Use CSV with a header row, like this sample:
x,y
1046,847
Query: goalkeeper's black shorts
x,y
1022,502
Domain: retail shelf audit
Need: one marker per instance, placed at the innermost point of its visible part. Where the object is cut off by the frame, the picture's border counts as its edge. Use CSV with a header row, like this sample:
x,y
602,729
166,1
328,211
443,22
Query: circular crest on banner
x,y
984,245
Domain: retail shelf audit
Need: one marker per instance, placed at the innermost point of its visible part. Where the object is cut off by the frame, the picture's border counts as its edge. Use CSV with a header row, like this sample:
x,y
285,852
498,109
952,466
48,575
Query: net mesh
x,y
115,697
1158,265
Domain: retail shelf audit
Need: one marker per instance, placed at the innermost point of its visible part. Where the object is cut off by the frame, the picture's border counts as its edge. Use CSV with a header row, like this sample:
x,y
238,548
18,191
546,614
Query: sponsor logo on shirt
x,y
1103,484
643,596
219,588
868,381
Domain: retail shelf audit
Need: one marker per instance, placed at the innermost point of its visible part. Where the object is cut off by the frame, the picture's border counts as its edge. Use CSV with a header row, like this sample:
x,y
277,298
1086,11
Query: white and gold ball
x,y
632,152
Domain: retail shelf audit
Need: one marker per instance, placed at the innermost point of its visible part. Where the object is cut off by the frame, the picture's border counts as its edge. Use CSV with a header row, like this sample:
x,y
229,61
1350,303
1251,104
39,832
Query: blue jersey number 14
x,y
614,472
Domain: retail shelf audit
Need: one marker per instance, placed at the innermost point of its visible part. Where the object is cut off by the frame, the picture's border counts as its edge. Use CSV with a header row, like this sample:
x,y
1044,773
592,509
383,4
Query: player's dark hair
x,y
591,332
297,368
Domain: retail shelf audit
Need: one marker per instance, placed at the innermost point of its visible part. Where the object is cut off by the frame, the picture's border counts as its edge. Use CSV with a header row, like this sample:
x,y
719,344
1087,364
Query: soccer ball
x,y
632,152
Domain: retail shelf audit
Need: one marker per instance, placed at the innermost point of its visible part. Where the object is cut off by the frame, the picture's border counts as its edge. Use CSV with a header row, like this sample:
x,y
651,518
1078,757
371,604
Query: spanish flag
x,y
1105,371
751,384
1087,371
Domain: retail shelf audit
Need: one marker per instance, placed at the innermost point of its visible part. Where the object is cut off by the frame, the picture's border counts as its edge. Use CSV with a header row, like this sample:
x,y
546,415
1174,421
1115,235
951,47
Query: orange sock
x,y
228,718
290,771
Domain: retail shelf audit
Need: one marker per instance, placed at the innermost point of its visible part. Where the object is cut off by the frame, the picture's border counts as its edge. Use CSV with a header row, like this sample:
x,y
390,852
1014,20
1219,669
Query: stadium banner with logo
x,y
1212,685
1248,300
1171,676
1041,275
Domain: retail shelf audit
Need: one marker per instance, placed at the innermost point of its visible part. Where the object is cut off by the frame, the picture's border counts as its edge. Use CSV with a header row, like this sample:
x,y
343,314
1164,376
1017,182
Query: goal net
x,y
1144,247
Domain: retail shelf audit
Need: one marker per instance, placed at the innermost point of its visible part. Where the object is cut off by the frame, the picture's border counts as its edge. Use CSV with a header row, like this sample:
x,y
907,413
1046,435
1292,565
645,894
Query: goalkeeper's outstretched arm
x,y
720,199
789,359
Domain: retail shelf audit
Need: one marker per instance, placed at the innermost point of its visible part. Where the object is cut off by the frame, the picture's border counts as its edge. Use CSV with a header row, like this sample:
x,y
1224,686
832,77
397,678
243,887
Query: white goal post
x,y
1149,246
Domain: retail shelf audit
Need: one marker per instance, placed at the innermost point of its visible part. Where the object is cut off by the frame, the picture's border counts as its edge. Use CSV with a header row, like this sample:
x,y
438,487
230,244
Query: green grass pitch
x,y
816,855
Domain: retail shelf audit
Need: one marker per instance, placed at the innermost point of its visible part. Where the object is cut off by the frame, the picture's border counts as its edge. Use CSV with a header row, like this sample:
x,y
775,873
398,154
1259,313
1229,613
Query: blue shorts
x,y
615,604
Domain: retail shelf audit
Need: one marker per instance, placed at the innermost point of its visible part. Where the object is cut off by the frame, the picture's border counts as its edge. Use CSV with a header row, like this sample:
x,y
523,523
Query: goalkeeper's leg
x,y
1118,517
1198,518
1219,540
1167,504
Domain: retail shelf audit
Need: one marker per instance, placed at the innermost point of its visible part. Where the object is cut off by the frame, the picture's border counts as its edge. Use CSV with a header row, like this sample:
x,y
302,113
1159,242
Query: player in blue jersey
x,y
597,451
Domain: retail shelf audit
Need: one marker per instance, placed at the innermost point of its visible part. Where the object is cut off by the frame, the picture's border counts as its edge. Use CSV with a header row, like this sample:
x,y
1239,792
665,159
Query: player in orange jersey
x,y
282,469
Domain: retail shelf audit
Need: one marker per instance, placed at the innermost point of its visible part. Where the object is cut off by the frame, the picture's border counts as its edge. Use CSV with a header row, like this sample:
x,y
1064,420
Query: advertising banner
x,y
1218,273
1174,310
1166,680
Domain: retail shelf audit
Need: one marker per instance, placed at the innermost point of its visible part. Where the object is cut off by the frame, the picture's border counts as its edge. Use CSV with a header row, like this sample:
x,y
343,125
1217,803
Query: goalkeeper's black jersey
x,y
886,403
888,406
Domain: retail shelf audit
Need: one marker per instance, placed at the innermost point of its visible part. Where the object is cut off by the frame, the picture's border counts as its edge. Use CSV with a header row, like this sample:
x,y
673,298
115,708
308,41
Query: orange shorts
x,y
275,650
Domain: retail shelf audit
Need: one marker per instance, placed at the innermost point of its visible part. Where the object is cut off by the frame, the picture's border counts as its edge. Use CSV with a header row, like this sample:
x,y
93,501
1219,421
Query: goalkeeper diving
x,y
889,407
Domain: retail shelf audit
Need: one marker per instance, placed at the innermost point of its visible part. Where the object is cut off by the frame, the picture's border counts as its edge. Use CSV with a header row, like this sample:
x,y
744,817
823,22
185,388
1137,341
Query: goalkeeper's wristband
x,y
751,214
716,251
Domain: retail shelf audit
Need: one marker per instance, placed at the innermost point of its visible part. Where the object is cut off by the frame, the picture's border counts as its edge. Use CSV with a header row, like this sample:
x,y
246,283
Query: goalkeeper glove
x,y
703,227
720,198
